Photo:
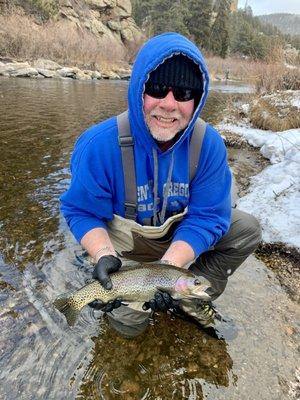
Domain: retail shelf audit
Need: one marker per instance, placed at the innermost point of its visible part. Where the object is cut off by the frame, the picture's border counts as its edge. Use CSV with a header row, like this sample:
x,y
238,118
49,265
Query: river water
x,y
40,356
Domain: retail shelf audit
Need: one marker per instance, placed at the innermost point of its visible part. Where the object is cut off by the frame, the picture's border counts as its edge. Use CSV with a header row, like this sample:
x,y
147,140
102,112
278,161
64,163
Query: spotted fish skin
x,y
134,284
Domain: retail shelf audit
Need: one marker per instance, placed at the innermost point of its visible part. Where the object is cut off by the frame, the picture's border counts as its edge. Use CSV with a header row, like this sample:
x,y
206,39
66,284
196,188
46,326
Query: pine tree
x,y
177,17
168,15
159,15
141,10
198,21
219,38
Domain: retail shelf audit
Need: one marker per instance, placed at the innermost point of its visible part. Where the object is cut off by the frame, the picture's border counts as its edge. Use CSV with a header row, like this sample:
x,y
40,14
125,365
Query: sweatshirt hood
x,y
153,53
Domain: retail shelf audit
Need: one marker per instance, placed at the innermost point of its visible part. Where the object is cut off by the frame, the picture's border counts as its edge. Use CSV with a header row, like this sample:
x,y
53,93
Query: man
x,y
179,219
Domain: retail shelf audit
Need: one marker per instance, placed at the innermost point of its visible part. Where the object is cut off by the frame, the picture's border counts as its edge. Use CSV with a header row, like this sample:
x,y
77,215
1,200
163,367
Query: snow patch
x,y
274,194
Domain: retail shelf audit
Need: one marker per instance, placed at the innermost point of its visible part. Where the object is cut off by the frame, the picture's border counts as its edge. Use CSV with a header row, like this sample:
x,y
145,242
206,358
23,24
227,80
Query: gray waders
x,y
147,243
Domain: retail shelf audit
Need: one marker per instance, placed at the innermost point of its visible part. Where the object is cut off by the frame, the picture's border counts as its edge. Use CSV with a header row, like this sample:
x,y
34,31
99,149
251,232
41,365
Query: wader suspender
x,y
126,143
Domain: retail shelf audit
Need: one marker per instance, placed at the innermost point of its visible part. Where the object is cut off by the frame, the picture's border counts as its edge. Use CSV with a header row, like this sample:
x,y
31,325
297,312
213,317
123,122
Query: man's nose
x,y
168,103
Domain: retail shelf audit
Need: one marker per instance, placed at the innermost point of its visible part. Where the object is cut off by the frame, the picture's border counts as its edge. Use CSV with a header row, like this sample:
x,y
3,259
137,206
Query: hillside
x,y
287,23
99,24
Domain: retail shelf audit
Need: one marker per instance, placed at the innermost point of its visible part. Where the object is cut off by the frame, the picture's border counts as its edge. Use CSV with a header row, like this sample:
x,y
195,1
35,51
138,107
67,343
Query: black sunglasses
x,y
160,91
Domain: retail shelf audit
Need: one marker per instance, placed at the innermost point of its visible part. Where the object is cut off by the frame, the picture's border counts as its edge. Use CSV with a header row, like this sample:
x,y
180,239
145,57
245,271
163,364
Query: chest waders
x,y
149,243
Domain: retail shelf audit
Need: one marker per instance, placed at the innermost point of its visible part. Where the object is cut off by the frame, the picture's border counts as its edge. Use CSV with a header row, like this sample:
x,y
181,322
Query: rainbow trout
x,y
135,284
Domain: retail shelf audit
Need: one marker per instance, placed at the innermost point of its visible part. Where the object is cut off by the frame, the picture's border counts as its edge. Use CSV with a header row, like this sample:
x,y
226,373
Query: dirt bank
x,y
285,263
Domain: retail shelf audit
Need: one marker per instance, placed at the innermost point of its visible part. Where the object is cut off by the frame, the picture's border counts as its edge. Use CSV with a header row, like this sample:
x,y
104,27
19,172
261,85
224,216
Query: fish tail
x,y
65,306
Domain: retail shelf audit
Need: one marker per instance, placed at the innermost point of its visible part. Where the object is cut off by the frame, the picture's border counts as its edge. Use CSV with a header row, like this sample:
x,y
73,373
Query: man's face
x,y
166,117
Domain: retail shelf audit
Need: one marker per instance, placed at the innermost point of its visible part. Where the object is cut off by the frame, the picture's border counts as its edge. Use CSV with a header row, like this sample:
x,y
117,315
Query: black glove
x,y
105,266
108,307
162,302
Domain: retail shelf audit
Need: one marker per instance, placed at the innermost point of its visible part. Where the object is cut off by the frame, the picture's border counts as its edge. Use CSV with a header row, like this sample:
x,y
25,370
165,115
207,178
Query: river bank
x,y
272,194
46,68
262,76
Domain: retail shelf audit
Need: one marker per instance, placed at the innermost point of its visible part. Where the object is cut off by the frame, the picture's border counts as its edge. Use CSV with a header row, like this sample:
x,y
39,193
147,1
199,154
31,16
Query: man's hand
x,y
105,266
111,305
162,302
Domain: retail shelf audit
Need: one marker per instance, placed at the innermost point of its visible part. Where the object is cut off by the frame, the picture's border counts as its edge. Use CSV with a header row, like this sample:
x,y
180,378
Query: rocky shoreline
x,y
42,68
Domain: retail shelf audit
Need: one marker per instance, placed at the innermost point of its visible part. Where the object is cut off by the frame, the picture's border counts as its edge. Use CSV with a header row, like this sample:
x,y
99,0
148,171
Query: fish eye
x,y
197,282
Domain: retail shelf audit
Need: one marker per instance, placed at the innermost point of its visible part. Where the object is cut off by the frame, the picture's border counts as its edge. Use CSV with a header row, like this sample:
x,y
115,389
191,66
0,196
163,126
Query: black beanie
x,y
180,71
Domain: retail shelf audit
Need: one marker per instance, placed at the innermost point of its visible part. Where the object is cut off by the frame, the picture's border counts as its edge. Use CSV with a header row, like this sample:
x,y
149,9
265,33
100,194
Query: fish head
x,y
191,287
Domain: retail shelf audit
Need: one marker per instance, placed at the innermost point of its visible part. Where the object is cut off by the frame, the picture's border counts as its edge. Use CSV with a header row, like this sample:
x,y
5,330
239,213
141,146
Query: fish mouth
x,y
200,295
195,288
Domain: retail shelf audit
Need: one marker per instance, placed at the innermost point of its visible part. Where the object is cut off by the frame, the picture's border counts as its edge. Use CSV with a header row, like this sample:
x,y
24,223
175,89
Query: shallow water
x,y
231,87
40,356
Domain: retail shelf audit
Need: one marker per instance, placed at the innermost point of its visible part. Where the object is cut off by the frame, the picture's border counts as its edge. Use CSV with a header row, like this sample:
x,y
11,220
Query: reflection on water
x,y
40,121
41,357
231,87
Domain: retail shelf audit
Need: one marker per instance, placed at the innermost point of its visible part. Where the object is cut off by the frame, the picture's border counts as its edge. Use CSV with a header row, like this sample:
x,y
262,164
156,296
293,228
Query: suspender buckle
x,y
125,141
130,211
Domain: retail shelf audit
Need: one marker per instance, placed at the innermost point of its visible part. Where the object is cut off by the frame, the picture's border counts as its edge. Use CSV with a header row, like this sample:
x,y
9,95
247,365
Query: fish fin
x,y
63,304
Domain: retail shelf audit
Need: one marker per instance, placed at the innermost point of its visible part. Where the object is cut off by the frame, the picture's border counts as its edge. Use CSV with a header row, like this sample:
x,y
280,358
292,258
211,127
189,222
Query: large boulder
x,y
46,64
12,67
67,72
24,73
46,73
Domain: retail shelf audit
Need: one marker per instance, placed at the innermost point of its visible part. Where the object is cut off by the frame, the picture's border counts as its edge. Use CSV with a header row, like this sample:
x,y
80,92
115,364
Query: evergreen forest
x,y
213,26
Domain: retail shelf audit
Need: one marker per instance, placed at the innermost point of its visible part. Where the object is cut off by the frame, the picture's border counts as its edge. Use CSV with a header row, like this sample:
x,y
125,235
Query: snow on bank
x,y
274,194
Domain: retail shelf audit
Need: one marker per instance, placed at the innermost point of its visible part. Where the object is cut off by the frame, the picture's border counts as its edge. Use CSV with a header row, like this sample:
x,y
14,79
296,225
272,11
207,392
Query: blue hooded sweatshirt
x,y
97,190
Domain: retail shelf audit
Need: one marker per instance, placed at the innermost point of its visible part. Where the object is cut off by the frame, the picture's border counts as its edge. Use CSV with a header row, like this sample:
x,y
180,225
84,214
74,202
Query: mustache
x,y
164,115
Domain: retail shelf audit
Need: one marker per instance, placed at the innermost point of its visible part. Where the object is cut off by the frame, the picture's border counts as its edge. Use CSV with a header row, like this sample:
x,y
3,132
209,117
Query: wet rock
x,y
67,72
123,73
192,367
24,73
110,75
46,73
10,68
82,76
96,75
208,359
